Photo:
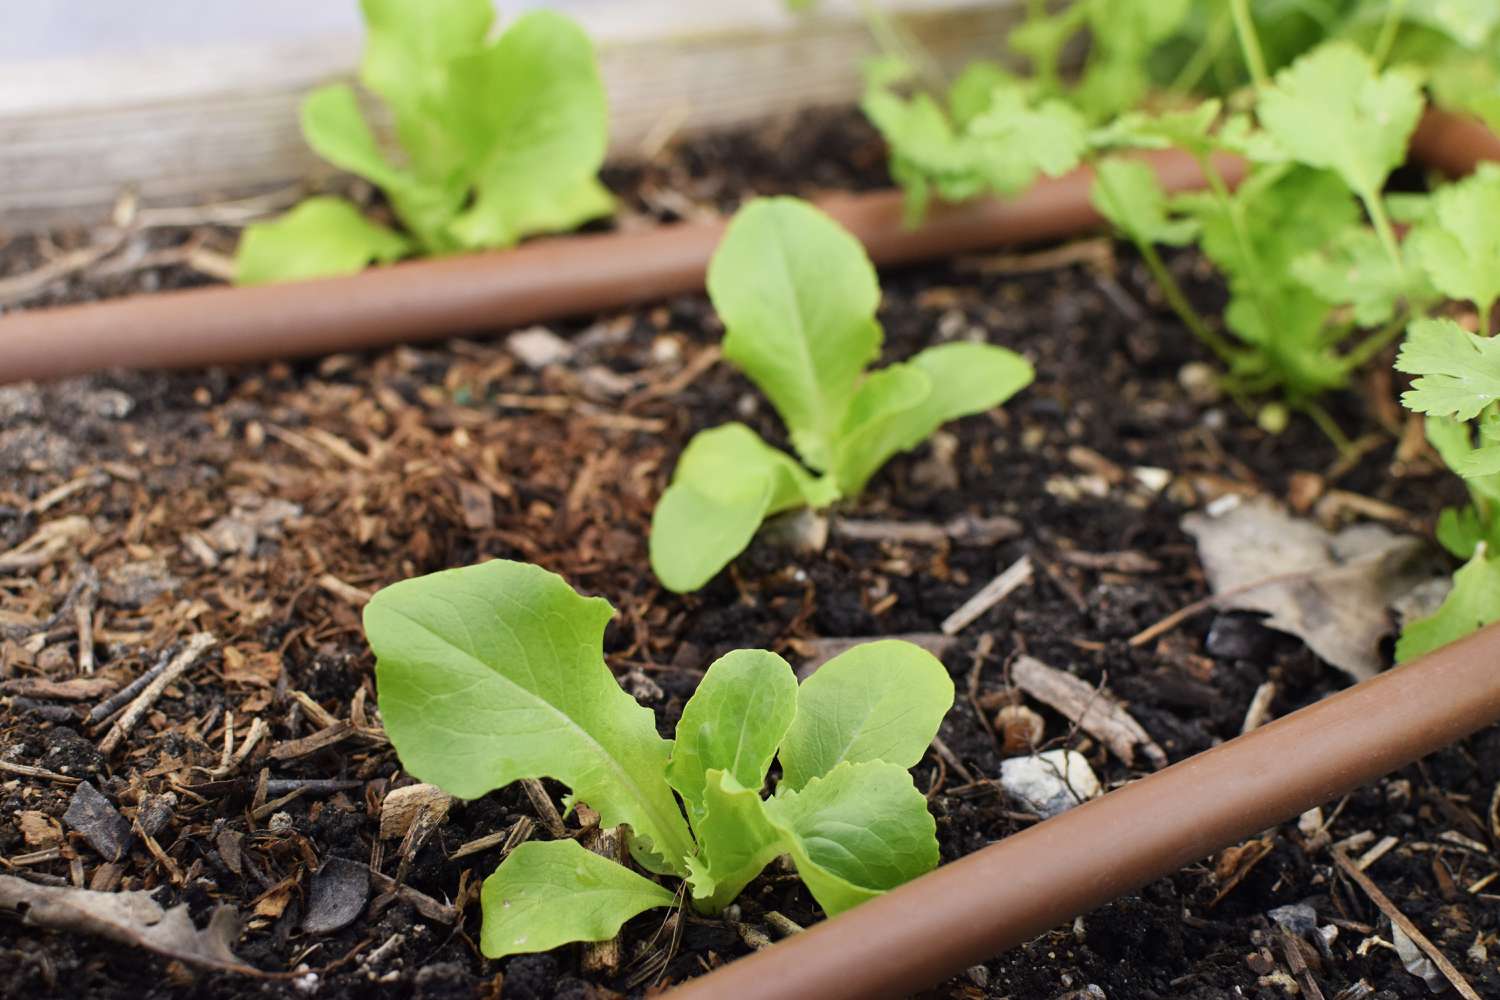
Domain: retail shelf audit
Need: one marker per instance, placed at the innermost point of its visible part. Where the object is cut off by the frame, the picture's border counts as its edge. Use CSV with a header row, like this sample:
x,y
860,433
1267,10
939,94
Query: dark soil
x,y
411,460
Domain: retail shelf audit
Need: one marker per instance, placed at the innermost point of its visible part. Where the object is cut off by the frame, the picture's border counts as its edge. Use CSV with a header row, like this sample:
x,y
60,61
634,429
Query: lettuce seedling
x,y
503,139
494,673
797,295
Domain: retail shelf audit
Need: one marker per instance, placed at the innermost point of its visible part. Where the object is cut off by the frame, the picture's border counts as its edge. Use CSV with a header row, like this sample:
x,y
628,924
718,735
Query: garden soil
x,y
264,504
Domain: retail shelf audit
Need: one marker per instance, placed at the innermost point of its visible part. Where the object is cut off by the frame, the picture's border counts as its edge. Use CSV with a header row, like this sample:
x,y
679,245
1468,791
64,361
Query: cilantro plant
x,y
502,138
797,295
494,672
1457,385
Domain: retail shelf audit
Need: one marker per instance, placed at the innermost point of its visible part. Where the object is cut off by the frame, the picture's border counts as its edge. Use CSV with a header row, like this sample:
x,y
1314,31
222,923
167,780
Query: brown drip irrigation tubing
x,y
1008,893
1454,144
542,280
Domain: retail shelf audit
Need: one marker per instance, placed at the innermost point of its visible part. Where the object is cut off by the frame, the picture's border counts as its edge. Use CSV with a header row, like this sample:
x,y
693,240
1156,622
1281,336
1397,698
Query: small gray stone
x,y
537,347
91,814
1297,918
338,894
1049,783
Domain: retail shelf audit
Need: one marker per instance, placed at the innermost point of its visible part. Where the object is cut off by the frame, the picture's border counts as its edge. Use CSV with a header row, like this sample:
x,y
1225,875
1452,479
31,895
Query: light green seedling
x,y
798,296
494,673
503,138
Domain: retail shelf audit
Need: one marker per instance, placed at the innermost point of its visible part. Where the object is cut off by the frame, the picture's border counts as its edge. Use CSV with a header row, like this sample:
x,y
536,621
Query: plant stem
x,y
1383,229
1180,304
1194,69
894,41
1375,342
1328,426
1388,28
1249,42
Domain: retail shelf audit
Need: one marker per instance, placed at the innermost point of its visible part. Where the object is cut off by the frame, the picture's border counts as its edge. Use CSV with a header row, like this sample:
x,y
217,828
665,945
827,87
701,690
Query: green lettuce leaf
x,y
545,895
797,295
408,50
733,723
320,237
880,701
855,832
336,129
897,408
1473,604
727,482
493,673
736,842
531,114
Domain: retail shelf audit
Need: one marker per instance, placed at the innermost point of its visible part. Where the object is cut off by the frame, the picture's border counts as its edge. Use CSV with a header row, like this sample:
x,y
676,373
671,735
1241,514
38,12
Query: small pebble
x,y
1049,783
537,347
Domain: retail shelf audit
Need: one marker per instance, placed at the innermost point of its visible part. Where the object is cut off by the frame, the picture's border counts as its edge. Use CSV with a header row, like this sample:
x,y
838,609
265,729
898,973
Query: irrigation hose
x,y
972,909
539,281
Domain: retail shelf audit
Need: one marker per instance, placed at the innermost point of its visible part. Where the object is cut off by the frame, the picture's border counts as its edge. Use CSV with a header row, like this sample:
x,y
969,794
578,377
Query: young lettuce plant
x,y
503,139
797,295
495,672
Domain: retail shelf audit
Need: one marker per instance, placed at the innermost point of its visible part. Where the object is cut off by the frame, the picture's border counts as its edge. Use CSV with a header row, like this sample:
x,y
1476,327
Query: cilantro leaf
x,y
321,236
1458,371
1129,195
1468,22
1461,250
1331,110
855,832
1190,129
797,295
1462,530
1473,603
521,899
879,701
1355,270
494,672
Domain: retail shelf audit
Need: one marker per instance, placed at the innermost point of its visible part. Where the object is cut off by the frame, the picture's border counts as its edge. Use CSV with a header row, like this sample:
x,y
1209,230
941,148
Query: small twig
x,y
181,663
545,810
991,594
1260,707
83,617
27,771
110,705
1208,603
1395,916
29,283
